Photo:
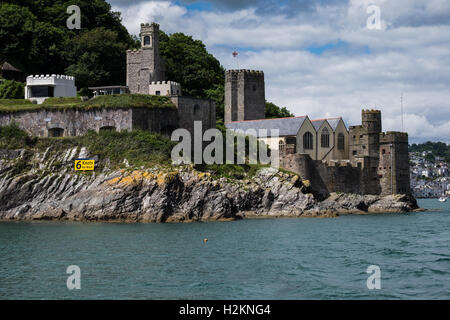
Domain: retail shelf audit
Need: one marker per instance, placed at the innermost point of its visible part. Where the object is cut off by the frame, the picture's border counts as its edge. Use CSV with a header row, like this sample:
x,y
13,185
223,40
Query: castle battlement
x,y
245,71
393,136
50,77
149,24
165,82
371,111
134,51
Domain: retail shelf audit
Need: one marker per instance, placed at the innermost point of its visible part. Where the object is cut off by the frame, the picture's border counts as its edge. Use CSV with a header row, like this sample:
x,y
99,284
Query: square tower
x,y
245,97
145,65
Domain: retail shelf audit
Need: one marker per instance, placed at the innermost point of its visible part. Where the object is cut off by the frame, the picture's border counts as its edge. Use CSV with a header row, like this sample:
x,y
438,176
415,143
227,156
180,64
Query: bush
x,y
10,89
12,137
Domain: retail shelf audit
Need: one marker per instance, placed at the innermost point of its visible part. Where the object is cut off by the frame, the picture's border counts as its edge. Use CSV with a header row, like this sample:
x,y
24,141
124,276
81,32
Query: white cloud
x,y
368,68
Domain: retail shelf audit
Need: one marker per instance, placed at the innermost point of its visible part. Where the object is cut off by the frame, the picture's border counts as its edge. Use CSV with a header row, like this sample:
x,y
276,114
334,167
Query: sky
x,y
327,58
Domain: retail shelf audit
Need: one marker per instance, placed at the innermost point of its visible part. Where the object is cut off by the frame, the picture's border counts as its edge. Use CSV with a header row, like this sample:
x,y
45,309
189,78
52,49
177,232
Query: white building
x,y
41,87
165,88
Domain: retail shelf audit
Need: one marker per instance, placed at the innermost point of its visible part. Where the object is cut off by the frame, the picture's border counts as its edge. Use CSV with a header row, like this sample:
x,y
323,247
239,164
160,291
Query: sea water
x,y
301,258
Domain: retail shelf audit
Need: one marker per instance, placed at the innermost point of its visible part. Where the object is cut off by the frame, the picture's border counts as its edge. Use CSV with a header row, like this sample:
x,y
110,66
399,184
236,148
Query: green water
x,y
250,259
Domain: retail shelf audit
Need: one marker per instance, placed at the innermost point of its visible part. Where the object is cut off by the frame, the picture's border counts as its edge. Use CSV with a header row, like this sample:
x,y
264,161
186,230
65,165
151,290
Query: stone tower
x,y
393,169
245,97
371,125
145,65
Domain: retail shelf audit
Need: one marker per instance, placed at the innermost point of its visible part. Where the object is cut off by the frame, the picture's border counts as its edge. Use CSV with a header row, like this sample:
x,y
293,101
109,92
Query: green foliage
x,y
138,147
231,171
217,94
430,157
439,149
128,100
273,111
10,89
12,137
189,63
96,56
35,38
13,102
61,100
106,101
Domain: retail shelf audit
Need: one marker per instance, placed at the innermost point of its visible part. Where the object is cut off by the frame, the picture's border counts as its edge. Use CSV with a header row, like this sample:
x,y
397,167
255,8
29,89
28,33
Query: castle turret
x,y
371,125
145,65
244,95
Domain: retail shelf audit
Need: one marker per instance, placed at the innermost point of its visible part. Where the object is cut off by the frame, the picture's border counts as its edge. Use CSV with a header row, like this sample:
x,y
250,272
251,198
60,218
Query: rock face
x,y
47,188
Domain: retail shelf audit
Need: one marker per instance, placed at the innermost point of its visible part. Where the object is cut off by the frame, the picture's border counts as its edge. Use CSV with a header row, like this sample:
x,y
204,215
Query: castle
x,y
359,159
145,75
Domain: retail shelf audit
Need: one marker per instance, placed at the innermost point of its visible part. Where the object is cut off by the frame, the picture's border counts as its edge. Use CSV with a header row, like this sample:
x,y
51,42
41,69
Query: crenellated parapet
x,y
393,137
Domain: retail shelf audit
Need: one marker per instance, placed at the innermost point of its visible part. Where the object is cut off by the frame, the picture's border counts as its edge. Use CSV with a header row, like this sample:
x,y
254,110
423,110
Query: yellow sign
x,y
84,164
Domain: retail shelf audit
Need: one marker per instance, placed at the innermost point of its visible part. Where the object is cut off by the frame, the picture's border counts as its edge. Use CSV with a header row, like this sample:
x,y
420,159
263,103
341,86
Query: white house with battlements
x,y
165,88
41,87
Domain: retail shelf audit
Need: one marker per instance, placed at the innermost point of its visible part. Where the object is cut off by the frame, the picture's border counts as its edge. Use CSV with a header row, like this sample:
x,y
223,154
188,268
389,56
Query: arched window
x,y
146,40
56,132
325,138
341,141
281,146
308,141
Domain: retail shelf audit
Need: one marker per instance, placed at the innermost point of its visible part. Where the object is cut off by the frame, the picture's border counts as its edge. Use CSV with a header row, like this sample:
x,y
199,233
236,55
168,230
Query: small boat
x,y
443,199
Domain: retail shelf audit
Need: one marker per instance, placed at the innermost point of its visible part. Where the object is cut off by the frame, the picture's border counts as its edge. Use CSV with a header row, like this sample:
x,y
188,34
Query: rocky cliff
x,y
43,186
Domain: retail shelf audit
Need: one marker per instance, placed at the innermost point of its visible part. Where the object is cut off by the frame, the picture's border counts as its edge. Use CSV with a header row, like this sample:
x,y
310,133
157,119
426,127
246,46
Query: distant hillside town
x,y
430,176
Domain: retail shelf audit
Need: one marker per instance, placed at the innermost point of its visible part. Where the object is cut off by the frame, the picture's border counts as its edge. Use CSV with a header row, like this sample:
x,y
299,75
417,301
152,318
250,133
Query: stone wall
x,y
335,176
194,109
78,122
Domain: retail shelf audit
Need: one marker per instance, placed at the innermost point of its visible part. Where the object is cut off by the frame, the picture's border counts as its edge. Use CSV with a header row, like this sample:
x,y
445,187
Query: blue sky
x,y
319,57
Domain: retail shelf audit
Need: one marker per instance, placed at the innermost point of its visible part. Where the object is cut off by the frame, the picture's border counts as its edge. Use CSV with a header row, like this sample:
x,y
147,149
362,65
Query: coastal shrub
x,y
140,148
10,89
12,137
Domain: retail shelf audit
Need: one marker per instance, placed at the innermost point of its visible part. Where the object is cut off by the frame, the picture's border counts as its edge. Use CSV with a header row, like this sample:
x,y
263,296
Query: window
x,y
383,151
146,41
196,110
55,132
308,141
107,128
355,152
254,87
341,141
41,91
281,145
158,93
325,138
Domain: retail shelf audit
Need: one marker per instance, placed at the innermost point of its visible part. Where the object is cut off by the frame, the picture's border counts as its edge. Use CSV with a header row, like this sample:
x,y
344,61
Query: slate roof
x,y
286,126
8,67
317,123
332,121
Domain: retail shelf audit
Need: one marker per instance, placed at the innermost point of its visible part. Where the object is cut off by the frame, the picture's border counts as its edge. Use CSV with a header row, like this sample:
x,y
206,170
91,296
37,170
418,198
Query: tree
x,y
34,37
16,34
10,89
189,63
430,157
217,94
273,111
96,57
